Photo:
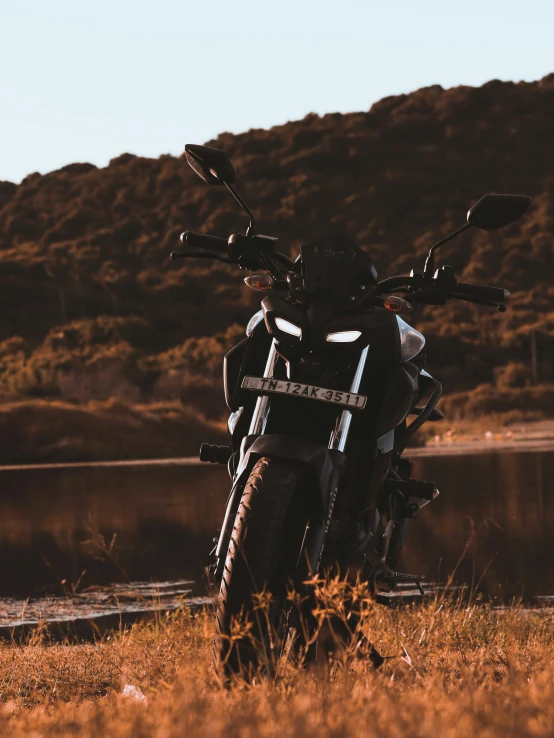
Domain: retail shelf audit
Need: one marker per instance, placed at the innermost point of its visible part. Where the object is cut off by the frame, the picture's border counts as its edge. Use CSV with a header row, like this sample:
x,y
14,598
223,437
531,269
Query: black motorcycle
x,y
320,393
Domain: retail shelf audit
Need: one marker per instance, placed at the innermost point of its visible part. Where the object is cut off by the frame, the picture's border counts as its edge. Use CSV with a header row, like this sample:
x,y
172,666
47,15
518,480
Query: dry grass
x,y
454,670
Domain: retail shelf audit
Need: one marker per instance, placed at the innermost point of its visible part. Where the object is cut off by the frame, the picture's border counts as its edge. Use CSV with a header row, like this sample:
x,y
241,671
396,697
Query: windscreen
x,y
334,265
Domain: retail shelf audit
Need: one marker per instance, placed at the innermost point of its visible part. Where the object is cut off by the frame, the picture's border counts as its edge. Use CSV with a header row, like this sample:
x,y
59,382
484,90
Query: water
x,y
65,530
93,526
500,507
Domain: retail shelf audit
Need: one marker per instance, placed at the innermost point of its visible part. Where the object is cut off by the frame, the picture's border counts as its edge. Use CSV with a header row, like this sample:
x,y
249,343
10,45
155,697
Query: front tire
x,y
263,557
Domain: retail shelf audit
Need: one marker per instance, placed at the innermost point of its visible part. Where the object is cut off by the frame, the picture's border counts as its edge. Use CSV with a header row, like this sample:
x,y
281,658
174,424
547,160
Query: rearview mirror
x,y
211,165
494,211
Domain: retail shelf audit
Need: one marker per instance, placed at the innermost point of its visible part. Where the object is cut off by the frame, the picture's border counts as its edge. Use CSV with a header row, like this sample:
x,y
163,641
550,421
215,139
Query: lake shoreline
x,y
484,436
533,437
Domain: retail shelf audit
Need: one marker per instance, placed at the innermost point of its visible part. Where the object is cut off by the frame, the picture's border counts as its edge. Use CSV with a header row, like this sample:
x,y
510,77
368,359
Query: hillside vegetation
x,y
91,308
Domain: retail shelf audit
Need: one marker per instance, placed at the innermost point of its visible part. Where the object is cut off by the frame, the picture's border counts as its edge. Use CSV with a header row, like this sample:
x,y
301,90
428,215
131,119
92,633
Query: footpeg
x,y
415,578
403,594
394,577
414,493
418,488
400,576
387,574
214,454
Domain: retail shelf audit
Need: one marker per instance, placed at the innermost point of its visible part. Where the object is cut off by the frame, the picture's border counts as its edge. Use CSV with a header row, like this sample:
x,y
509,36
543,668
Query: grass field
x,y
453,669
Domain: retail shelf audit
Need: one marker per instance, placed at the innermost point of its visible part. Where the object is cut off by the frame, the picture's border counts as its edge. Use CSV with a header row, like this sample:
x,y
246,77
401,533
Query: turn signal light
x,y
259,282
397,304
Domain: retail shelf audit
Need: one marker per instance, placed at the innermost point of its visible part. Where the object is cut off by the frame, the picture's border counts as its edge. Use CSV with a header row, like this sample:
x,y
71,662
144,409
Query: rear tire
x,y
263,556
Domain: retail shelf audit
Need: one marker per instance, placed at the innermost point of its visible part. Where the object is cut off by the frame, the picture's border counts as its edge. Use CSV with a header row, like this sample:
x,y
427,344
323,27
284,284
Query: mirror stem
x,y
429,267
244,206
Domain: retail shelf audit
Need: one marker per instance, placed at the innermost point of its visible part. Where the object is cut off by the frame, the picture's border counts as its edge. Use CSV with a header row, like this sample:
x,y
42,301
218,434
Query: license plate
x,y
311,392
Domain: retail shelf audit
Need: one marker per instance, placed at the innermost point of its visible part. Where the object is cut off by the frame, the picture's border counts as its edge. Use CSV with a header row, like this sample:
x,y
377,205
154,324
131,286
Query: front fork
x,y
337,442
261,411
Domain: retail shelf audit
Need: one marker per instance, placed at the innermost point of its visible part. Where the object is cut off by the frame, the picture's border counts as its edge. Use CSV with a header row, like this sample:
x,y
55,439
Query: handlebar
x,y
248,252
201,241
253,253
433,293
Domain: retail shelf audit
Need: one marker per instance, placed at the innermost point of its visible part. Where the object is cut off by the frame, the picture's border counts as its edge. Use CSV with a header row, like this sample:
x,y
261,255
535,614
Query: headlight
x,y
290,328
343,336
253,322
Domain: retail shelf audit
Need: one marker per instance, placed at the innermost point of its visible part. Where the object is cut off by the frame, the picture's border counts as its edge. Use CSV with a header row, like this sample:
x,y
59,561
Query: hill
x,y
91,308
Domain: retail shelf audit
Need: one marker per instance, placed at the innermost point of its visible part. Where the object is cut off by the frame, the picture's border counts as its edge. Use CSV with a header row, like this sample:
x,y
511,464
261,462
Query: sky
x,y
87,81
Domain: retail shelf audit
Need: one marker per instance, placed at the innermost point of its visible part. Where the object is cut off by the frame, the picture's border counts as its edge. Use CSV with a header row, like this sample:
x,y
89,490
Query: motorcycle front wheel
x,y
263,559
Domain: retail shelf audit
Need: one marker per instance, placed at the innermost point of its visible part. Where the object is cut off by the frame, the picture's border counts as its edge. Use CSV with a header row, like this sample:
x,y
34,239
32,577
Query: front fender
x,y
326,465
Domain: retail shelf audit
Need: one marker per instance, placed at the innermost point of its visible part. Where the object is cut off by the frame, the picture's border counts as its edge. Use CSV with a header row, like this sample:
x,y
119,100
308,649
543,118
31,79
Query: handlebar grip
x,y
201,241
481,292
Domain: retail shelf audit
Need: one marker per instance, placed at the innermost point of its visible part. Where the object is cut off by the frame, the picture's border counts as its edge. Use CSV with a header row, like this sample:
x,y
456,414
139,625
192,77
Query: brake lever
x,y
199,255
500,306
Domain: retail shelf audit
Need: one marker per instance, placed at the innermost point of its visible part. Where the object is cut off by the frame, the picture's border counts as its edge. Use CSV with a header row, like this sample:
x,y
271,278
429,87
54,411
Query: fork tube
x,y
339,436
259,418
